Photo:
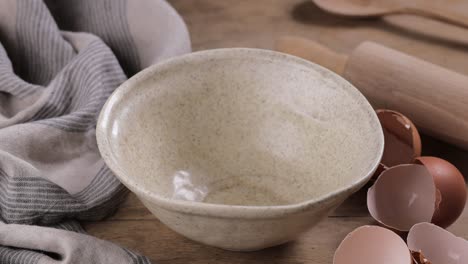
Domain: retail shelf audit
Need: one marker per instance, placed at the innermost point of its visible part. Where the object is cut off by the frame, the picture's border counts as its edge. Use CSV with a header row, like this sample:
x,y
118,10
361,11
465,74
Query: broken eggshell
x,y
402,196
370,245
437,245
419,258
402,139
451,187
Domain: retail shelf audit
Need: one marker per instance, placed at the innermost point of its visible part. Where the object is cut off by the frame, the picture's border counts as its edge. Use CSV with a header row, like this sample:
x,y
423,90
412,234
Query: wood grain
x,y
215,24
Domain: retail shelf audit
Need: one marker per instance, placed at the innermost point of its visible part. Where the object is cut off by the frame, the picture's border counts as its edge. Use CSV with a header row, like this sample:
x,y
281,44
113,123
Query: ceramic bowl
x,y
240,149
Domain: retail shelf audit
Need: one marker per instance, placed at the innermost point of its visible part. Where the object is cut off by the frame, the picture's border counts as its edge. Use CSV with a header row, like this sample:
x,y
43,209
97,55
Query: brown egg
x,y
402,196
402,140
371,245
452,187
436,245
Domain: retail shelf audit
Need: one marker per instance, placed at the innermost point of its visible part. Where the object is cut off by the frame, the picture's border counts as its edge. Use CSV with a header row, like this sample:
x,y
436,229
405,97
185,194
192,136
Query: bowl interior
x,y
242,127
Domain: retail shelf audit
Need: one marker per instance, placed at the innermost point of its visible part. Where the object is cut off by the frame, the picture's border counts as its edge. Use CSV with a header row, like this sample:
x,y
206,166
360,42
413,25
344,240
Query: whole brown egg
x,y
452,187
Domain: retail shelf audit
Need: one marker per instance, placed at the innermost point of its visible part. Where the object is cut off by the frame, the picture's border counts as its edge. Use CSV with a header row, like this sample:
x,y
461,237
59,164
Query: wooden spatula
x,y
374,8
435,98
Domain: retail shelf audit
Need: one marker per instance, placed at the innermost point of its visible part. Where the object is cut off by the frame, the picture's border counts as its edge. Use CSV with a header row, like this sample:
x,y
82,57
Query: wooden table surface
x,y
247,23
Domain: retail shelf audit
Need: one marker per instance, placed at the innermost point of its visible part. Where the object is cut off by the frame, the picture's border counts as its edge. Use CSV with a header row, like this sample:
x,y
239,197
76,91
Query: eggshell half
x,y
371,245
437,245
451,184
402,139
402,196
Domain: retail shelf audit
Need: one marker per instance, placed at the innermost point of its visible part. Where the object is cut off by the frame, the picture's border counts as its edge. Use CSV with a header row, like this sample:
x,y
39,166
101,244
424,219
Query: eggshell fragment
x,y
371,245
402,139
437,245
419,258
402,196
452,187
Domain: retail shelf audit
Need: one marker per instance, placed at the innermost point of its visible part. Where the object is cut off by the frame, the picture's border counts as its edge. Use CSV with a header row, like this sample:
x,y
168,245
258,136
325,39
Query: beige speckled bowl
x,y
240,148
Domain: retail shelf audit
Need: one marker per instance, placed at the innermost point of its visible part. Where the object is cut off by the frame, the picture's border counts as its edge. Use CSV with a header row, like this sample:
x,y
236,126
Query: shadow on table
x,y
273,255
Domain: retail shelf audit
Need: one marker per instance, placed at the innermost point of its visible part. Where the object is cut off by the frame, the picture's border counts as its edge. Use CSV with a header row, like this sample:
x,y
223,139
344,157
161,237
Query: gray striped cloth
x,y
59,62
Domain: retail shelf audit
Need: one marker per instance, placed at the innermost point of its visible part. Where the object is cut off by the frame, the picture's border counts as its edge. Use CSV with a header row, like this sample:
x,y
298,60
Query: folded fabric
x,y
59,62
45,245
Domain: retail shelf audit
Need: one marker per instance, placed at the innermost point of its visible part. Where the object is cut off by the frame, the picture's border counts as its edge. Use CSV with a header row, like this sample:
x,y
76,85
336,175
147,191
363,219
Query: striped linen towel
x,y
59,62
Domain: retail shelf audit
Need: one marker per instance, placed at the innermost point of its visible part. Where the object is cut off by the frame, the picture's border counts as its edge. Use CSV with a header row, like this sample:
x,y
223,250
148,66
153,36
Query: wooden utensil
x,y
374,8
435,98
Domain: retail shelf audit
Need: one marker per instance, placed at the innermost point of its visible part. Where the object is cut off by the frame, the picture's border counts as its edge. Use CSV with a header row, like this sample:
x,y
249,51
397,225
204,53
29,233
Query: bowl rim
x,y
223,210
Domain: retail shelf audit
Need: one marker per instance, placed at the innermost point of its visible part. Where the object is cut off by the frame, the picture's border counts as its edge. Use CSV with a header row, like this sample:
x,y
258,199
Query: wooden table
x,y
247,23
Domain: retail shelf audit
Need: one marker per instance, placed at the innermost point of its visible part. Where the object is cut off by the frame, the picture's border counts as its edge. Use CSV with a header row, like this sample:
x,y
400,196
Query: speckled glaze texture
x,y
240,148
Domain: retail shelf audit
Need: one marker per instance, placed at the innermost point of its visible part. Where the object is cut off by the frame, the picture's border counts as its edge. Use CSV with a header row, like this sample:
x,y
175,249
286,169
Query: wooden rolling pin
x,y
434,98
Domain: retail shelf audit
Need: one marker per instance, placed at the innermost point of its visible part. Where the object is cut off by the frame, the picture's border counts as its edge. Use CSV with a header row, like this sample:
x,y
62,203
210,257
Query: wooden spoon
x,y
375,8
